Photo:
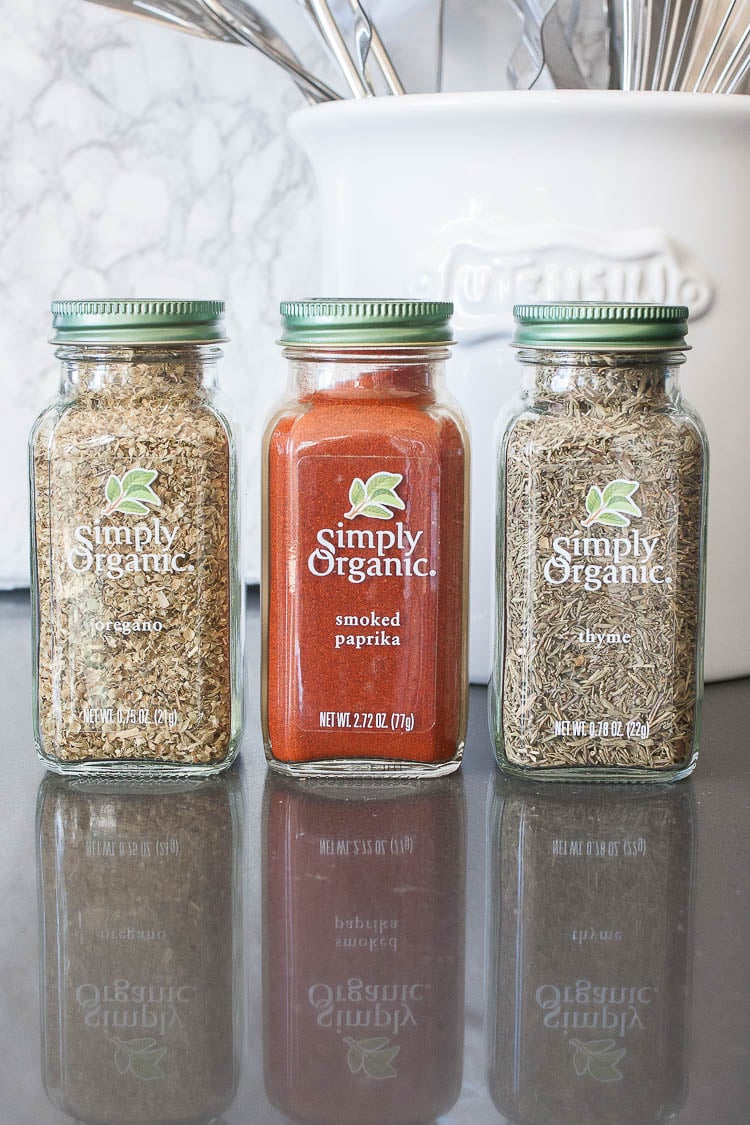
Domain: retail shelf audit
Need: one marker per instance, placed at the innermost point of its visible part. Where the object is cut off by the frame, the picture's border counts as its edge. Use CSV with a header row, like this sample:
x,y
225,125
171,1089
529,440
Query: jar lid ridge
x,y
365,321
593,325
138,321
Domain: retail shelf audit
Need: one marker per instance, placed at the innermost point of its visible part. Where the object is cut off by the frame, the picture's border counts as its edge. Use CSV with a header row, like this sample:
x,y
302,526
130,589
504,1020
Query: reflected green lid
x,y
590,325
363,322
138,322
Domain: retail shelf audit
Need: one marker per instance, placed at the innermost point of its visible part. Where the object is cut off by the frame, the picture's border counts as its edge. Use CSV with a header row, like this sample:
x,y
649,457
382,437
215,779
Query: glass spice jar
x,y
601,550
136,585
365,545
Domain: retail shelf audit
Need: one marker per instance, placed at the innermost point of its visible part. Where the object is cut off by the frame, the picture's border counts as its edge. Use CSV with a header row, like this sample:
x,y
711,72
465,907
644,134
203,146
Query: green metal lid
x,y
592,326
138,322
362,322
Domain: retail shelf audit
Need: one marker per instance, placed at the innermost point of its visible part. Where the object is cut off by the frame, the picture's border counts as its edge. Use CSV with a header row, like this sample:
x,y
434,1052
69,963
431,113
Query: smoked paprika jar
x,y
365,545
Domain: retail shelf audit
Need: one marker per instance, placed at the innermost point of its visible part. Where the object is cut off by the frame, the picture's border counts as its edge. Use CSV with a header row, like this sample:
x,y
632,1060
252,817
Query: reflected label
x,y
363,949
589,940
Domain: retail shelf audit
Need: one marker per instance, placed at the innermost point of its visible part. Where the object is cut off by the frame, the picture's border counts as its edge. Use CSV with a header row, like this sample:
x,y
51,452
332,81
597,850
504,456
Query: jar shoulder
x,y
295,426
187,420
544,429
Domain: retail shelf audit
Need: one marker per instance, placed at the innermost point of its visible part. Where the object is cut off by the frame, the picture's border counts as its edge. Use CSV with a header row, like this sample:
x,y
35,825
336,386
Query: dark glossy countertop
x,y
467,950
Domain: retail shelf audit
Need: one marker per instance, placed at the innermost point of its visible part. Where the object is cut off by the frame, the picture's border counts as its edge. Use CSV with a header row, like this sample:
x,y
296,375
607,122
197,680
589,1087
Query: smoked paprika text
x,y
365,532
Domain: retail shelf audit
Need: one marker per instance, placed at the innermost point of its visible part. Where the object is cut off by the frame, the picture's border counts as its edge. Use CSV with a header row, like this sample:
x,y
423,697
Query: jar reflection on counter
x,y
363,935
140,945
589,941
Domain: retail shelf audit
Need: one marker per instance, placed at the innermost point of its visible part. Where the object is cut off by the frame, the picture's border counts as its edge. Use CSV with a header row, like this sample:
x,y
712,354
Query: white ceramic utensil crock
x,y
492,198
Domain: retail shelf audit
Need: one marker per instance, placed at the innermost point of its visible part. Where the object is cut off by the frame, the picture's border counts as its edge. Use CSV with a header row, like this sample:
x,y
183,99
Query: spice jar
x,y
136,581
365,545
600,560
363,935
140,944
590,952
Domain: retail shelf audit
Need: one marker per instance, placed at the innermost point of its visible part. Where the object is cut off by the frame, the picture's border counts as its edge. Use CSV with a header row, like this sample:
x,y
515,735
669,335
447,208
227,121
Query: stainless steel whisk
x,y
221,21
239,21
701,46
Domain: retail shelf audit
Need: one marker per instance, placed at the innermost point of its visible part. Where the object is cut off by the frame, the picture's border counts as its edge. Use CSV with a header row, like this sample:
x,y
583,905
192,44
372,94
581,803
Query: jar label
x,y
113,550
365,600
133,571
602,565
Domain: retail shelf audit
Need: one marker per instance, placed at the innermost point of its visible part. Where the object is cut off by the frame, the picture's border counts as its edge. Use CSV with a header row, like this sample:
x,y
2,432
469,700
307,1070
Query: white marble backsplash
x,y
138,161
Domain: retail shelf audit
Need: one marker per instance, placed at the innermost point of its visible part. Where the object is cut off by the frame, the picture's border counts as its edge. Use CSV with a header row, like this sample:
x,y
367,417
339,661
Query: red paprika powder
x,y
365,543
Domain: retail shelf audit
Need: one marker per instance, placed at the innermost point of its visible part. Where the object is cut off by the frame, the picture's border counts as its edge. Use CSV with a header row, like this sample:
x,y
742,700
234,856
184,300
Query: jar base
x,y
632,775
365,767
131,769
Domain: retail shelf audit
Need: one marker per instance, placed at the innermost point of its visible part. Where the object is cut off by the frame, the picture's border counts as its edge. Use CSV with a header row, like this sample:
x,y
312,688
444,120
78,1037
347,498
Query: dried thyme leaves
x,y
603,494
132,544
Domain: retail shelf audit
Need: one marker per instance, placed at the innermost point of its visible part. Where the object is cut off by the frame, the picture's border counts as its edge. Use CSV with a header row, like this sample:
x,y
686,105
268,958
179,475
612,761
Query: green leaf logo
x,y
139,1057
598,1059
612,505
375,497
372,1057
132,494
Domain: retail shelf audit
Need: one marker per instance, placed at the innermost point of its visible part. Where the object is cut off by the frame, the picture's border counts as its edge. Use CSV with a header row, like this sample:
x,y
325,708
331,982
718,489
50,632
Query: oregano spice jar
x,y
365,545
135,570
601,542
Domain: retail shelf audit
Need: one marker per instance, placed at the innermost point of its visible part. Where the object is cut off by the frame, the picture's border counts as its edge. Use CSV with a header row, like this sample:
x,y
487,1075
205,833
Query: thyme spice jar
x,y
600,559
136,580
365,545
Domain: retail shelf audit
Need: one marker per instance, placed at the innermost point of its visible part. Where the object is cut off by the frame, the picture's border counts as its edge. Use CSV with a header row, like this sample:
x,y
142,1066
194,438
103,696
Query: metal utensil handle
x,y
628,43
362,45
739,77
312,87
332,36
677,66
732,71
613,13
165,15
378,50
667,35
714,44
642,42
